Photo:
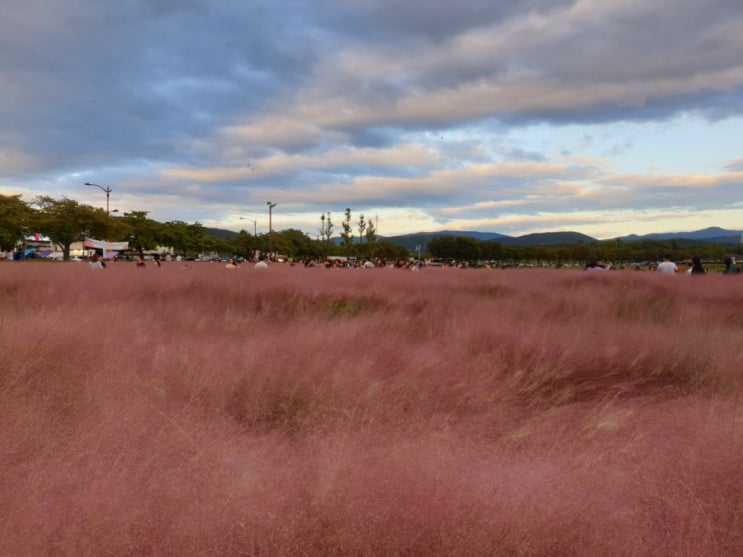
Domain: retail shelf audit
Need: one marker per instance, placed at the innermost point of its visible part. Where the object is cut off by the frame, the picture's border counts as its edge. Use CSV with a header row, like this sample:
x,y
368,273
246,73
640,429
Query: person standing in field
x,y
667,267
696,267
95,263
731,268
597,265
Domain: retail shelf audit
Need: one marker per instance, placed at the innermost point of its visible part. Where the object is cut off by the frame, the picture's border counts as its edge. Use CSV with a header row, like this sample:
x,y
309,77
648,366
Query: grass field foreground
x,y
307,411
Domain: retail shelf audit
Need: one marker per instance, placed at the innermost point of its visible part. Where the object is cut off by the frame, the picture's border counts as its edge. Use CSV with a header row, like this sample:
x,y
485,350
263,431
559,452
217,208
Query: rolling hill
x,y
411,241
714,235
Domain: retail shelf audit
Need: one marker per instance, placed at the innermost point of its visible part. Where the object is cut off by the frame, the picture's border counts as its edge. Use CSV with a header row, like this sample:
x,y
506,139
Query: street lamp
x,y
270,227
108,193
255,225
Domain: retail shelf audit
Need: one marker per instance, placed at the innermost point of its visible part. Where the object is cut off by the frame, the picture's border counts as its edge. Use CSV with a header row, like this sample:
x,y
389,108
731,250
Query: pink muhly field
x,y
306,411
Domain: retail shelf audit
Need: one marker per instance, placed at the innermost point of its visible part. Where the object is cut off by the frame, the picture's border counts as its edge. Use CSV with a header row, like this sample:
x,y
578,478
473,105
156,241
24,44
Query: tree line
x,y
66,221
459,248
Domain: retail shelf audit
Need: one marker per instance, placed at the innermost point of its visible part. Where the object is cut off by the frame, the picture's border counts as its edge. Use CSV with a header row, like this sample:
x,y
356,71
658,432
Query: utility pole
x,y
255,225
270,226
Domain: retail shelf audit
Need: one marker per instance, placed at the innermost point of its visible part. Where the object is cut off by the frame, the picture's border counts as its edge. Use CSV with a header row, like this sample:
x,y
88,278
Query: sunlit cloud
x,y
282,163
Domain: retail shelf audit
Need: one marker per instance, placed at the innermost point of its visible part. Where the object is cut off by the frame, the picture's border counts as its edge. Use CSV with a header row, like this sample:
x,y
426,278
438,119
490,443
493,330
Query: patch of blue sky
x,y
684,145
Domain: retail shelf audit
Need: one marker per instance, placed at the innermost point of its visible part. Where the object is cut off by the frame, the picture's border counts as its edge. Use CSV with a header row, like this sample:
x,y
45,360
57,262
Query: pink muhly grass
x,y
334,412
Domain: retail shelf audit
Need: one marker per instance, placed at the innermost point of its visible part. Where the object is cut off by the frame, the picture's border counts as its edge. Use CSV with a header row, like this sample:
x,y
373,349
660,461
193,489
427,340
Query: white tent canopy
x,y
104,245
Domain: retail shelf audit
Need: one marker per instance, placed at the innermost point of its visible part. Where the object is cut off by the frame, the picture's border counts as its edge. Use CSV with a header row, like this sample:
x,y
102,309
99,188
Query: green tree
x,y
244,244
443,247
581,253
326,231
187,239
221,246
141,232
492,250
66,221
295,243
455,247
390,252
536,253
15,216
562,253
361,227
469,249
347,234
371,239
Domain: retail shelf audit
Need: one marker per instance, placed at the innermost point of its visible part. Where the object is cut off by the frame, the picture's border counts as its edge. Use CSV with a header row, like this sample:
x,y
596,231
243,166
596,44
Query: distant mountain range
x,y
221,233
412,241
712,235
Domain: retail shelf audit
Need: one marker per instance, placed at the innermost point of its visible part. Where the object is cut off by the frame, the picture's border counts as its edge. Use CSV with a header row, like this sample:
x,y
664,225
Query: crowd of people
x,y
665,266
669,267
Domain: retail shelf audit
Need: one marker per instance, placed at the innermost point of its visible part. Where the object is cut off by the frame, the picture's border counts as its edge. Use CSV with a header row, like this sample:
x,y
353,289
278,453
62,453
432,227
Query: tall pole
x,y
108,191
108,194
23,246
270,226
255,225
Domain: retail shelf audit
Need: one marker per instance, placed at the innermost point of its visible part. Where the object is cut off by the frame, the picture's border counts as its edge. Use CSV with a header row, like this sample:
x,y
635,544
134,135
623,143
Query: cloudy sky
x,y
606,117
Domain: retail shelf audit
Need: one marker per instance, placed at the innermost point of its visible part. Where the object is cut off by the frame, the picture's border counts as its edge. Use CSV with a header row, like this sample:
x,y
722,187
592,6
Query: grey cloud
x,y
735,166
89,85
519,154
648,53
434,20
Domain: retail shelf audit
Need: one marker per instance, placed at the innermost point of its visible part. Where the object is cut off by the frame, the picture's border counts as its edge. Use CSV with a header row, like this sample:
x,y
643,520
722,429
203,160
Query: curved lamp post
x,y
255,225
270,227
108,194
108,191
